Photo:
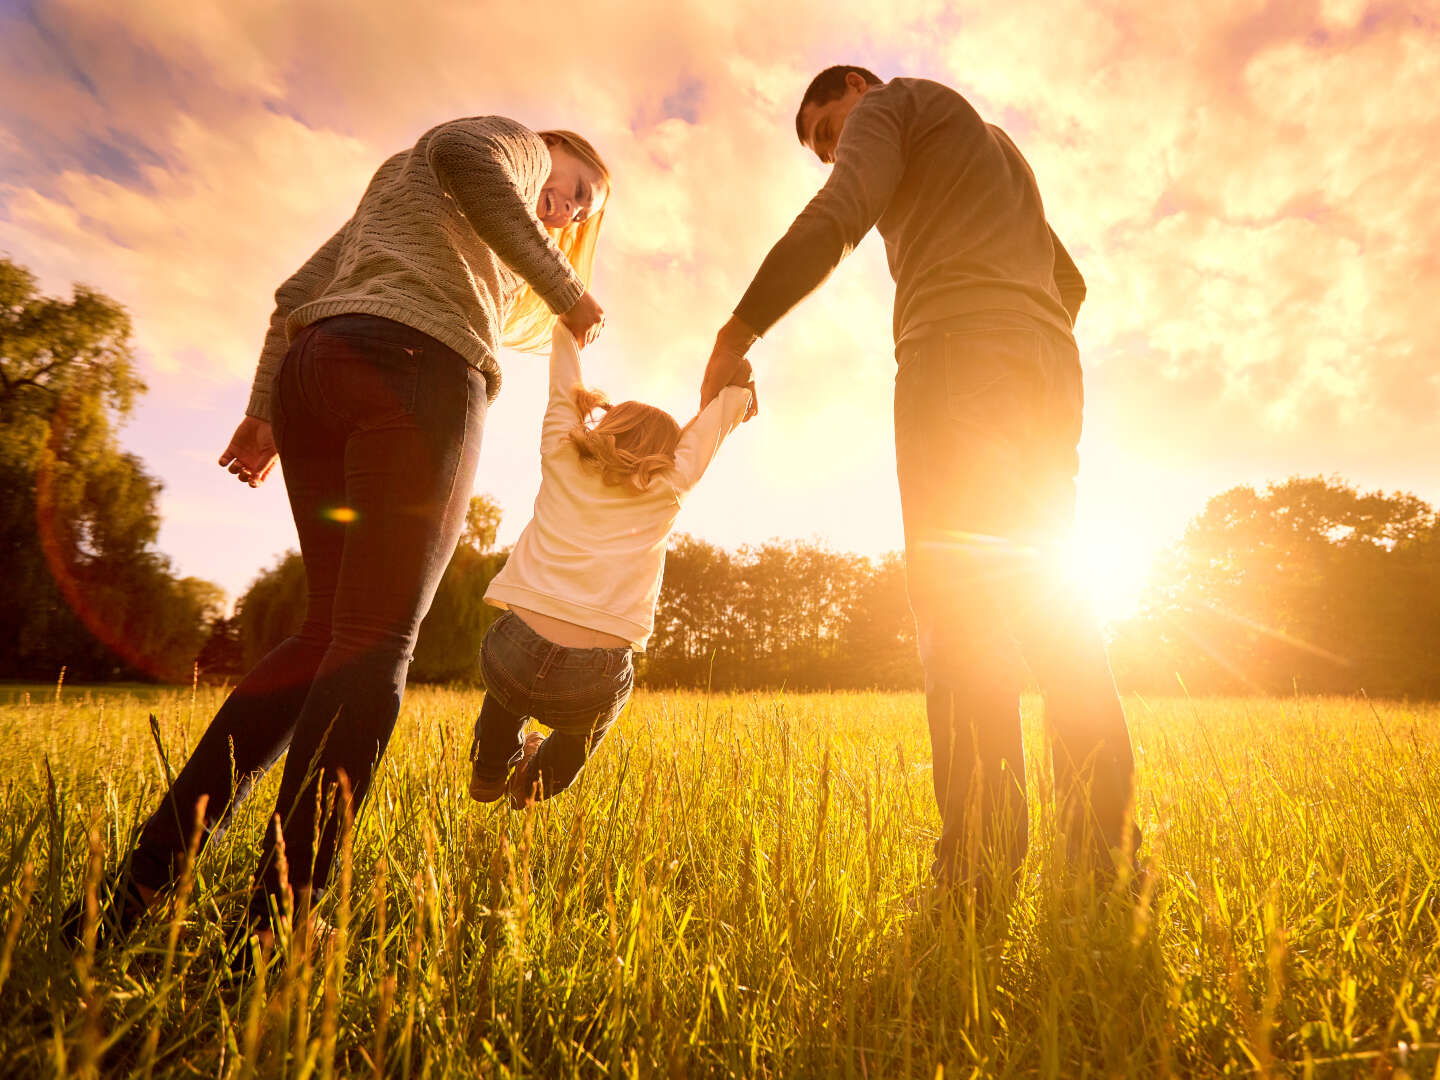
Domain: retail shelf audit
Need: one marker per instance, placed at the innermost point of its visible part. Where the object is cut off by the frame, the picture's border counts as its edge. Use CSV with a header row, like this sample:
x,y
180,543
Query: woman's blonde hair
x,y
530,322
629,445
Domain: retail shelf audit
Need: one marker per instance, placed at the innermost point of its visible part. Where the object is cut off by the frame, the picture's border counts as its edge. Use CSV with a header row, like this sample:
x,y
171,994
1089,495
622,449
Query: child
x,y
581,583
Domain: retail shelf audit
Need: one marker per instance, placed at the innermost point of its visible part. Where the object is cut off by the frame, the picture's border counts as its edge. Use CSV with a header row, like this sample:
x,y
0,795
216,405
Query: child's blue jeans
x,y
577,693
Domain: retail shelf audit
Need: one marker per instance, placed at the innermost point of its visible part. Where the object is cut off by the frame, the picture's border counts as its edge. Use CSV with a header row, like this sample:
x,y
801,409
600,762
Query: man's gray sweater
x,y
956,204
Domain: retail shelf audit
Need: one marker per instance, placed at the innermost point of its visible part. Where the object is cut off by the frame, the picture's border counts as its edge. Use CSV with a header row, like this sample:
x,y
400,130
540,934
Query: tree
x,y
223,654
1309,583
85,588
448,646
784,613
272,608
877,639
482,524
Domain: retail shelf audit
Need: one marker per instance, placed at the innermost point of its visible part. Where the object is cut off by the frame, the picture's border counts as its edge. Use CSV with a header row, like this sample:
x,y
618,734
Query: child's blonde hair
x,y
629,445
527,327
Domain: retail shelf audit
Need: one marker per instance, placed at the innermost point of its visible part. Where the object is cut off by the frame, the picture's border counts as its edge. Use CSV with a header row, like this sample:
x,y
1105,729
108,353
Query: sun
x,y
1110,567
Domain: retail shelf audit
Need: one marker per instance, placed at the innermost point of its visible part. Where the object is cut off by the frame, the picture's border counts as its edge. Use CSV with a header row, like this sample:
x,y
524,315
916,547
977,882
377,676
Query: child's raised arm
x,y
703,436
560,412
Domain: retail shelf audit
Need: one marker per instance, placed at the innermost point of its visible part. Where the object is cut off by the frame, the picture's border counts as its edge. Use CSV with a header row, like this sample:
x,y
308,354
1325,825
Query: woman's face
x,y
574,191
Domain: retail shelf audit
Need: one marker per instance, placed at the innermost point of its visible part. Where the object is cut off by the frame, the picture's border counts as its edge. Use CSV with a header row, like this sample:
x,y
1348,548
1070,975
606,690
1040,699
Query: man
x,y
988,405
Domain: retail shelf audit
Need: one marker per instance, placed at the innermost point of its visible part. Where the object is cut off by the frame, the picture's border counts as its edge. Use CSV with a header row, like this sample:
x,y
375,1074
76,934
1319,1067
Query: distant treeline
x,y
1308,585
782,614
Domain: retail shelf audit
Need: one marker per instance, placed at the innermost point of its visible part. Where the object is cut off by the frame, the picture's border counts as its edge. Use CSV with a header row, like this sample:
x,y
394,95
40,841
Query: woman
x,y
373,384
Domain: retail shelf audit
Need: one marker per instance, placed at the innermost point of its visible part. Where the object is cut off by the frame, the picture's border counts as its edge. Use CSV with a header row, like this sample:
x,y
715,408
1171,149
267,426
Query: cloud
x,y
1245,184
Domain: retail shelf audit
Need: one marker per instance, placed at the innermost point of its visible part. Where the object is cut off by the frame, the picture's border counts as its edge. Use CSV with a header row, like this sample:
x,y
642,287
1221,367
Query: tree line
x,y
1306,585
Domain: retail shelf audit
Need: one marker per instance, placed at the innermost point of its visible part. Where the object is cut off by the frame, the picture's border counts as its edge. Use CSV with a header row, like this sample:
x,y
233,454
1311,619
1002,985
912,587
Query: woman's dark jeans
x,y
577,693
987,420
378,427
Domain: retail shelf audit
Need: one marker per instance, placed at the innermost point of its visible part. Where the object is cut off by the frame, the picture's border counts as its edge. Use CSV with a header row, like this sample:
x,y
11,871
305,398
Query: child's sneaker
x,y
524,785
484,788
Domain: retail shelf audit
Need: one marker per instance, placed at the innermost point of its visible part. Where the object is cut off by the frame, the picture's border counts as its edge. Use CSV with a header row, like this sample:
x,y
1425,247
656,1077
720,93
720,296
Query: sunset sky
x,y
1248,187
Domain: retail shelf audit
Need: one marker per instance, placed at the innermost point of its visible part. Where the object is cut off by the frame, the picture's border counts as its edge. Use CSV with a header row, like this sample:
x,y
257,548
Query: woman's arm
x,y
482,163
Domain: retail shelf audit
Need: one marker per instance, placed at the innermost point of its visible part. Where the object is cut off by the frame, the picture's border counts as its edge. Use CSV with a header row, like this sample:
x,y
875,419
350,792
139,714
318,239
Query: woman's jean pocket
x,y
365,381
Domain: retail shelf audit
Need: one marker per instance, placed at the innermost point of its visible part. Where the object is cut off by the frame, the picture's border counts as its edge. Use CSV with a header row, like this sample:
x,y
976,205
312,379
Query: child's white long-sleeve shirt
x,y
593,554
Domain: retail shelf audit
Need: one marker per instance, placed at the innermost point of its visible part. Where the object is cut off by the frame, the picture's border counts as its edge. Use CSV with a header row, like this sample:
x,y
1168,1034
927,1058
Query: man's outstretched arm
x,y
869,161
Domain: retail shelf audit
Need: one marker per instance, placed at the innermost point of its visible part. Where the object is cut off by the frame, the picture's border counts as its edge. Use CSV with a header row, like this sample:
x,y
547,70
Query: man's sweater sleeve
x,y
1068,279
303,286
479,163
869,161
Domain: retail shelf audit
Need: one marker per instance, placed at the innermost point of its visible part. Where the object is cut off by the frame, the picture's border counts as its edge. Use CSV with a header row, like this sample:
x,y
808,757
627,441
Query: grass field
x,y
727,893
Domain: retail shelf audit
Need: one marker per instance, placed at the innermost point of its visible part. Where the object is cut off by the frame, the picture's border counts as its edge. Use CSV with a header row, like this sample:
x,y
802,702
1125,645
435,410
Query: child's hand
x,y
745,376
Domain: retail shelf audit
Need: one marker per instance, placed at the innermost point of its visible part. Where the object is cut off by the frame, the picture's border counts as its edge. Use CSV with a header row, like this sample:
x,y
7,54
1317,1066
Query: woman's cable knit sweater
x,y
443,240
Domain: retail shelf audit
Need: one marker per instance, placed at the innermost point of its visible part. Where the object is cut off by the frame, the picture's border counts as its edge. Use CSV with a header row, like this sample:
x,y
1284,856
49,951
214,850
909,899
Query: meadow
x,y
731,891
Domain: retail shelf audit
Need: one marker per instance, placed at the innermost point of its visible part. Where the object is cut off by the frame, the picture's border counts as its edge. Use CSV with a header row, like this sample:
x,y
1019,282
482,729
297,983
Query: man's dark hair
x,y
829,85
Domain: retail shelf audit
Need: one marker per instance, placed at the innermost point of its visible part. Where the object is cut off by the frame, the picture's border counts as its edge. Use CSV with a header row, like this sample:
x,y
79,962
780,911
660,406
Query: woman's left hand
x,y
251,453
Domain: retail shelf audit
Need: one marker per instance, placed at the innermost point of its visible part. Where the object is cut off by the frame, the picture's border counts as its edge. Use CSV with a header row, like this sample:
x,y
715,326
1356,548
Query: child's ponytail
x,y
629,445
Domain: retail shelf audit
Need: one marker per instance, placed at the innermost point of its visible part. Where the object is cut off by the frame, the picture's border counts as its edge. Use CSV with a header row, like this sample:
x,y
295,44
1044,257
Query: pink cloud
x,y
1246,187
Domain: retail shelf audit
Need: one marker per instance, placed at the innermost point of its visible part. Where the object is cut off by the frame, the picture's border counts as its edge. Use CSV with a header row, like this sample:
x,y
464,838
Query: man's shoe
x,y
524,784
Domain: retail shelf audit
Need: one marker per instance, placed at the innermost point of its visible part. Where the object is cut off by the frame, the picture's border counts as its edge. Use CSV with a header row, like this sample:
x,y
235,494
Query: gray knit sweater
x,y
956,204
443,240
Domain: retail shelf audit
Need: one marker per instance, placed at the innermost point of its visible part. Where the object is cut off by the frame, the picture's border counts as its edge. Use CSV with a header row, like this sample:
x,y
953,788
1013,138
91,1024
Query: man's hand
x,y
251,453
727,361
585,319
745,377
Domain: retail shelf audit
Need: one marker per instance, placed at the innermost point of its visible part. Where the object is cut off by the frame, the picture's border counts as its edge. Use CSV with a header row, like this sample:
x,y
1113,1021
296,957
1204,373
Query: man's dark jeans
x,y
987,420
577,693
378,427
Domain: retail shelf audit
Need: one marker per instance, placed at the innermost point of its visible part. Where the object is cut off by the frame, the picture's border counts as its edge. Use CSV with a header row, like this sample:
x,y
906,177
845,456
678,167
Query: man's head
x,y
826,105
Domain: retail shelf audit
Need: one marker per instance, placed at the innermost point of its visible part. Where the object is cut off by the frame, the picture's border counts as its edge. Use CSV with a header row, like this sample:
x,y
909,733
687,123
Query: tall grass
x,y
729,891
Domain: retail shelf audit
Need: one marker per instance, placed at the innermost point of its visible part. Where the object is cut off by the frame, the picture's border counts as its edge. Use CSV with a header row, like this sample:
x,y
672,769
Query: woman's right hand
x,y
585,319
251,454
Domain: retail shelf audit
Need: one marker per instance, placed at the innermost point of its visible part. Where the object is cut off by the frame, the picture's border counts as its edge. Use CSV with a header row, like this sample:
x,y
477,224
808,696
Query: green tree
x,y
272,608
784,613
695,639
85,587
1309,584
448,646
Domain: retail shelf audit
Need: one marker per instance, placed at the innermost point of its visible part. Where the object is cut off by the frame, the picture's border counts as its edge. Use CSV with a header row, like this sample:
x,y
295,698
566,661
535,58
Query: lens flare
x,y
342,514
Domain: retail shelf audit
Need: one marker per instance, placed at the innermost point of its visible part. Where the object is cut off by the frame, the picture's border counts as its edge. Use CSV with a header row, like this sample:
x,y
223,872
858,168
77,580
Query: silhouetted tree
x,y
1310,584
448,647
449,642
85,587
223,654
